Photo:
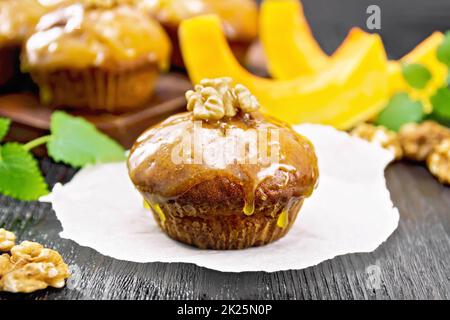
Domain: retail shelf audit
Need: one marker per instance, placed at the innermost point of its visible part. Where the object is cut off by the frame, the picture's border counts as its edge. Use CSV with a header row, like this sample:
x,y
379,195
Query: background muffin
x,y
17,21
204,189
101,57
239,17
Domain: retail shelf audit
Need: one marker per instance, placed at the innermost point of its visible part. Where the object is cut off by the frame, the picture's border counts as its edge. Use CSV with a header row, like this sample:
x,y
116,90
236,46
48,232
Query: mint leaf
x,y
416,75
399,111
4,127
443,51
20,176
77,142
441,105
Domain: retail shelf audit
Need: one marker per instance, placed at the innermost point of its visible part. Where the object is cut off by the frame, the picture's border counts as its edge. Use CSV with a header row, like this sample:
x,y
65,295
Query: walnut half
x,y
7,240
419,140
33,276
5,265
214,99
439,161
30,267
379,135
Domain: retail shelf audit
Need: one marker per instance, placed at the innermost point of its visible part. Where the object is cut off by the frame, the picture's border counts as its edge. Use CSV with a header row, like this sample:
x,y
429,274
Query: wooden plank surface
x,y
414,263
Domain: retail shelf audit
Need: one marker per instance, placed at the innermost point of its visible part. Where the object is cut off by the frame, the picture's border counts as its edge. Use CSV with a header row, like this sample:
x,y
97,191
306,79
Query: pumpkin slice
x,y
288,42
289,45
354,89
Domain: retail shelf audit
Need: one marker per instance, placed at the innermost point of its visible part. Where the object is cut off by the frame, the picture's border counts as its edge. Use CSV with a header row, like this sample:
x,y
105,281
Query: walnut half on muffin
x,y
223,175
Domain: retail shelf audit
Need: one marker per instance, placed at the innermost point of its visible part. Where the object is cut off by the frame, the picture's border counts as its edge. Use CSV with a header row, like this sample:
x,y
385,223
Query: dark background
x,y
414,262
404,23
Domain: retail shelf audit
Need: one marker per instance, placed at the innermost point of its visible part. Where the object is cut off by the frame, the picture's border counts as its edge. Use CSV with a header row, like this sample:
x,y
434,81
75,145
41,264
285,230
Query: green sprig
x,y
87,146
416,75
443,51
399,111
4,127
20,176
441,106
73,141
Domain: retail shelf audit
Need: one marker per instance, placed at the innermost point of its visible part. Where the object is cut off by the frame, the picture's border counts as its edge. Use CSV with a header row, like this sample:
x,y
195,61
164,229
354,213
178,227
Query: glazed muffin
x,y
101,57
240,20
17,21
223,175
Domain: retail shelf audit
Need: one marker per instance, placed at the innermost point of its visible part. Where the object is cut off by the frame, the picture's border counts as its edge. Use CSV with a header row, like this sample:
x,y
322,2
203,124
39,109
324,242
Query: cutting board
x,y
31,119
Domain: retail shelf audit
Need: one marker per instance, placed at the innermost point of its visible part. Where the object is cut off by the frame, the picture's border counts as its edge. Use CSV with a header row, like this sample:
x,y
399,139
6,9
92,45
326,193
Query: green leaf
x,y
4,127
77,142
441,105
416,75
443,51
20,176
399,111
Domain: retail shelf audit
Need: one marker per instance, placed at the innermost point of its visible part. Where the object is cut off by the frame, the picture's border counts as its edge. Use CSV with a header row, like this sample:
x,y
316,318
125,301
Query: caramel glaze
x,y
82,35
160,179
18,18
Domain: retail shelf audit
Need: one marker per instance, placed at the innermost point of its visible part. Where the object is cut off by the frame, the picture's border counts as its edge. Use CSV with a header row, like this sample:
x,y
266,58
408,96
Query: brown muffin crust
x,y
223,207
97,89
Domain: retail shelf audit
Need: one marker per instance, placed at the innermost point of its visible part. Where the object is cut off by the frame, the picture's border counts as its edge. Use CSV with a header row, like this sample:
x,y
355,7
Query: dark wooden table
x,y
414,263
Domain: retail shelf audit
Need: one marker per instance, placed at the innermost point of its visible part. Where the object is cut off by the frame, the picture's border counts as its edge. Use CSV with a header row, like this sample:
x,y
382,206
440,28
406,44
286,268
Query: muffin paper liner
x,y
236,231
97,89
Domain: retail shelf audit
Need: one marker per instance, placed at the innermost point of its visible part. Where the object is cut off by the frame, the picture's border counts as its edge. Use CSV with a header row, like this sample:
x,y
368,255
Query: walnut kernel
x,y
32,267
419,140
106,4
33,276
379,135
5,265
7,240
28,252
214,99
439,161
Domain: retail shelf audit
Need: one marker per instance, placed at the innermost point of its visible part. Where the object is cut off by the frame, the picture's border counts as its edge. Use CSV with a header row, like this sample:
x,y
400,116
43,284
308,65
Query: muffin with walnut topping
x,y
223,175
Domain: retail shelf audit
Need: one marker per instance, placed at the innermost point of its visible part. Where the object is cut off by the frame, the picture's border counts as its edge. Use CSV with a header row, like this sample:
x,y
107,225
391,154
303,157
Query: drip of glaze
x,y
249,206
249,201
283,219
156,208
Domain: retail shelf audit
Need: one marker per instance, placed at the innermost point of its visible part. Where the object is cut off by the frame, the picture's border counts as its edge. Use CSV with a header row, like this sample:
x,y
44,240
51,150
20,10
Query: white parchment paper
x,y
350,211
